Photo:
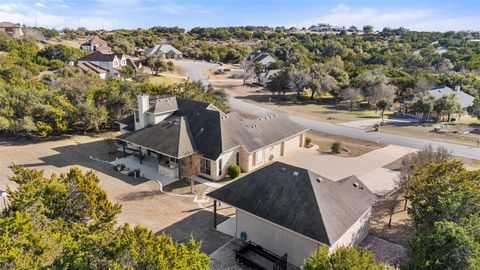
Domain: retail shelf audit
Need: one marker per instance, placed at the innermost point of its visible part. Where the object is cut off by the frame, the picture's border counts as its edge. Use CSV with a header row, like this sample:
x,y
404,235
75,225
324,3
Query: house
x,y
263,58
168,129
90,67
465,100
95,44
111,61
165,51
14,29
266,77
327,28
290,210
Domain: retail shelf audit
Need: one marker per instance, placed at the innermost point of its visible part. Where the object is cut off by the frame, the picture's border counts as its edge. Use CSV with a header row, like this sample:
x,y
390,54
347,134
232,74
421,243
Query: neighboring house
x,y
326,28
263,58
90,67
266,77
95,44
290,210
165,51
14,29
464,99
111,61
171,128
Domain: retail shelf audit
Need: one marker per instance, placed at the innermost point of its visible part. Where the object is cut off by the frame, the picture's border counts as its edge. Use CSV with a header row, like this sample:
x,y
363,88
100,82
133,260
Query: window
x,y
137,117
259,156
220,165
238,158
205,166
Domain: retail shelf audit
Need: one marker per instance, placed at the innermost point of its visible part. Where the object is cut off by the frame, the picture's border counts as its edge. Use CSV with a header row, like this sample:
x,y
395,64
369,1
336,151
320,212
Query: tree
x,y
422,103
447,245
67,222
474,109
279,83
443,191
383,105
248,70
352,96
423,85
190,168
157,65
348,257
416,160
298,81
446,105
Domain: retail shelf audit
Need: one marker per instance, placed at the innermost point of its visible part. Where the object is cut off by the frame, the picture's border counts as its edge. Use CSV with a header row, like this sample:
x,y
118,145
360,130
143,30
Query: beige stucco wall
x,y
355,234
275,238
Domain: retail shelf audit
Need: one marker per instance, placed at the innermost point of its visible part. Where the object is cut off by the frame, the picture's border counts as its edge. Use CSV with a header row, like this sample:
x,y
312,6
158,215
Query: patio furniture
x,y
257,257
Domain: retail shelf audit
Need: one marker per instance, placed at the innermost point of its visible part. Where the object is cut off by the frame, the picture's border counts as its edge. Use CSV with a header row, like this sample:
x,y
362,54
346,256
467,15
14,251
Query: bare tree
x,y
418,159
248,70
423,85
352,96
190,168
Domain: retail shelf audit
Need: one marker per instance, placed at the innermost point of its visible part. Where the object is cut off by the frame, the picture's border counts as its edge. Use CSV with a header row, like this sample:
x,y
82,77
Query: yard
x,y
143,203
165,80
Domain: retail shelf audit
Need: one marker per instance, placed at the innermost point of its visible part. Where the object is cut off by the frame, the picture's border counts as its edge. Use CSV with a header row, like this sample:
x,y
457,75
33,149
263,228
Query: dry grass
x,y
401,228
355,147
164,79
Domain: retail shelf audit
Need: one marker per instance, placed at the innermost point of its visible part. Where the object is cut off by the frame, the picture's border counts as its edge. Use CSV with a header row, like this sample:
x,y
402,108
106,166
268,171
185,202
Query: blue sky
x,y
440,15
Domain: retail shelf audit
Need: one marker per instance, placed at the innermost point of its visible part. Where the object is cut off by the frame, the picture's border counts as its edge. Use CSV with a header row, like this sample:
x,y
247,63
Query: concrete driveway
x,y
368,167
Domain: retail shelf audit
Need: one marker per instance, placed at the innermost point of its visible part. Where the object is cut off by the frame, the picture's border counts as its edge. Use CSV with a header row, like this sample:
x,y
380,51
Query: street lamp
x,y
4,194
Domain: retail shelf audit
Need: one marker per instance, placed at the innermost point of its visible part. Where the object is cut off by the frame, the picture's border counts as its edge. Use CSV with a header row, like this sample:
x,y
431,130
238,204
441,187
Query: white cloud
x,y
28,15
42,5
414,19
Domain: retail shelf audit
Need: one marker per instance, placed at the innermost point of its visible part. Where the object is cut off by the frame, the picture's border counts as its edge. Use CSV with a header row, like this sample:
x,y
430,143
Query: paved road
x,y
194,71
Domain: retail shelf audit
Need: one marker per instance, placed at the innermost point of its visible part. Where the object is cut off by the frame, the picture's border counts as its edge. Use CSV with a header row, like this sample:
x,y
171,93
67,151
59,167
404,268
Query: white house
x,y
292,211
169,129
266,77
111,61
95,44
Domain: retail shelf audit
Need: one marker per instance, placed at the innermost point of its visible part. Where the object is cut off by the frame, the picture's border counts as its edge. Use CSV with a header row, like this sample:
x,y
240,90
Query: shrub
x,y
336,147
308,141
234,171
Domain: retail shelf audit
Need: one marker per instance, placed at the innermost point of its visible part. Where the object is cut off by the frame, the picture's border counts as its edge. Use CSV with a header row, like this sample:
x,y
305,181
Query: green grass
x,y
165,80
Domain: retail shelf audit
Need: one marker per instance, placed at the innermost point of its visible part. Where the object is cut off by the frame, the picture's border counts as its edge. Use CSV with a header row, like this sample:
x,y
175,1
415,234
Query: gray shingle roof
x,y
161,49
99,56
212,131
172,137
463,98
322,210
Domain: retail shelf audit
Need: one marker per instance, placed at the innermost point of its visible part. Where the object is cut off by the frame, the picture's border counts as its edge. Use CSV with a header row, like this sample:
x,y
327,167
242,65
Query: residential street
x,y
194,72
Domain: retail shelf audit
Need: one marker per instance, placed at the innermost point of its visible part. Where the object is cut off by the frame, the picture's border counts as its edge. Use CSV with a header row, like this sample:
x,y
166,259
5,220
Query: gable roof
x,y
87,66
212,131
172,137
99,56
322,209
161,49
9,24
463,98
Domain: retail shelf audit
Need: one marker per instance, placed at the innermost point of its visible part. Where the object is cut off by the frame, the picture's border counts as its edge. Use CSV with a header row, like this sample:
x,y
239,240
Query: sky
x,y
421,15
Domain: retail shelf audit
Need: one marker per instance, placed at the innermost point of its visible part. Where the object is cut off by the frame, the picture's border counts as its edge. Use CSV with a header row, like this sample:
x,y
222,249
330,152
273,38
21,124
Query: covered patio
x,y
148,167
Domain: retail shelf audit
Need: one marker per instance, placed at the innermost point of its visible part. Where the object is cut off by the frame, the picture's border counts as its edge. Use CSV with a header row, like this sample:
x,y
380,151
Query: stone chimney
x,y
457,88
143,104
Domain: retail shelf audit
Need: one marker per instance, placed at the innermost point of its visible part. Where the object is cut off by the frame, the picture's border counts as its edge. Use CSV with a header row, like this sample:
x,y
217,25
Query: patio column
x,y
215,214
141,156
124,152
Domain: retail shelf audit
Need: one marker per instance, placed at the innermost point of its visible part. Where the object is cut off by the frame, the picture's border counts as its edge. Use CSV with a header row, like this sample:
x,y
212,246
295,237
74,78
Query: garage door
x,y
292,144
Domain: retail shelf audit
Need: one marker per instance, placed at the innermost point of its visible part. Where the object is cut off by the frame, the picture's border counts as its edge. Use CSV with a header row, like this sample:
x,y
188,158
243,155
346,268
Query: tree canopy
x,y
67,222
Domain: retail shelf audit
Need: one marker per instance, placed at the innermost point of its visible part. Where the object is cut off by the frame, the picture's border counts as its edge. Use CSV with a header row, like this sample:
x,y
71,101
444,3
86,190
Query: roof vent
x,y
283,169
355,184
295,173
319,179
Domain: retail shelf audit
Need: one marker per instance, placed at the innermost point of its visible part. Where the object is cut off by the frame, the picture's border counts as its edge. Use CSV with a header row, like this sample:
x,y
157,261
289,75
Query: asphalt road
x,y
194,73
